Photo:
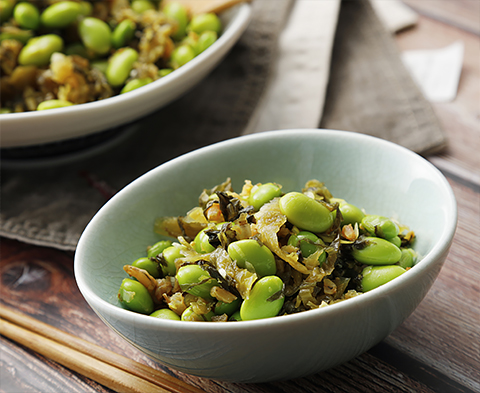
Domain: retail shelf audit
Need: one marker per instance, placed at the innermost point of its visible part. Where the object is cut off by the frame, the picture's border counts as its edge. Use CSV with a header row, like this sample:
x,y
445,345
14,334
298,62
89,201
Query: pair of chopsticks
x,y
103,366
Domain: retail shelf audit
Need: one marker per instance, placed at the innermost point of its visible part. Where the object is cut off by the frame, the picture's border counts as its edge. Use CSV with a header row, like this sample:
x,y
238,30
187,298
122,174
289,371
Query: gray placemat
x,y
370,90
50,203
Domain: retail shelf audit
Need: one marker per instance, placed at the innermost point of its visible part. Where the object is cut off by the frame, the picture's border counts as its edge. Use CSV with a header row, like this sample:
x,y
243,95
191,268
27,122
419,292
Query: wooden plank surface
x,y
435,350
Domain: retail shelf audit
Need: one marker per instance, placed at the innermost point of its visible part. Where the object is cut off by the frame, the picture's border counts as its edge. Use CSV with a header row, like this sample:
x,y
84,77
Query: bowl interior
x,y
373,174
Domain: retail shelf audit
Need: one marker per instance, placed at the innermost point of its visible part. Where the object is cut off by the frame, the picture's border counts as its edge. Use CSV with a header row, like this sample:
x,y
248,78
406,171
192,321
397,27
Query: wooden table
x,y
437,349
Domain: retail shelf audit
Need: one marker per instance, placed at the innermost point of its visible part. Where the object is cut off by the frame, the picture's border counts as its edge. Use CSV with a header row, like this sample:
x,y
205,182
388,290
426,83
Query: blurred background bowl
x,y
379,176
32,128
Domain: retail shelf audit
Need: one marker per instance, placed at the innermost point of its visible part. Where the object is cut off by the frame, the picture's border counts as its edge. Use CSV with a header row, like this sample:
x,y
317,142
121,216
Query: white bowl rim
x,y
440,247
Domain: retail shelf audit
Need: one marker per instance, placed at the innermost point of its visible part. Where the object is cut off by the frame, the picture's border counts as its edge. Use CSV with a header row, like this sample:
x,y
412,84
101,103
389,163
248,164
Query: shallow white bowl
x,y
32,128
379,176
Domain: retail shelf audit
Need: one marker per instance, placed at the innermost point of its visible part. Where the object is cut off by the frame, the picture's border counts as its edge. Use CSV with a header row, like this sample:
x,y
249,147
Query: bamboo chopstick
x,y
106,367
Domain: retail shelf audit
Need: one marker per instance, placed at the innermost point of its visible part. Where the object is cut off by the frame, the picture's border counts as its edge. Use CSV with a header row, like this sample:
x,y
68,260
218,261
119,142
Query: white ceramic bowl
x,y
32,128
379,176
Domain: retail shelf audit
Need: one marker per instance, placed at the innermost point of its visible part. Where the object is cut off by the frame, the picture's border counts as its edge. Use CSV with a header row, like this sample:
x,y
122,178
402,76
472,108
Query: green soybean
x,y
27,16
86,9
377,251
265,300
95,35
201,243
206,39
235,316
140,6
123,33
351,214
181,55
164,72
77,48
53,104
380,226
408,258
134,296
196,281
306,213
135,84
190,315
374,276
4,111
38,50
253,256
120,65
170,255
6,9
147,264
61,14
158,248
227,308
205,22
263,193
308,243
165,313
395,240
178,13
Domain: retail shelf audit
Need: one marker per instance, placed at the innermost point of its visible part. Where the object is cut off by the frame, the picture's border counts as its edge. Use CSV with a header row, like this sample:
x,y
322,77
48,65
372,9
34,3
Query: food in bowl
x,y
262,253
61,53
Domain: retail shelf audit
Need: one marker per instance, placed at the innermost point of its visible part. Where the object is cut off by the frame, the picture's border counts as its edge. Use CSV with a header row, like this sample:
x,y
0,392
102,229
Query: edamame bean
x,y
123,33
100,65
53,104
306,213
266,299
165,313
170,255
228,308
182,55
164,72
190,315
140,6
95,35
86,9
201,242
377,251
408,258
120,65
350,214
78,49
374,276
395,240
147,264
178,13
308,243
263,193
236,316
4,111
135,84
134,296
206,39
61,14
196,281
380,226
205,22
38,50
158,248
27,15
6,9
251,255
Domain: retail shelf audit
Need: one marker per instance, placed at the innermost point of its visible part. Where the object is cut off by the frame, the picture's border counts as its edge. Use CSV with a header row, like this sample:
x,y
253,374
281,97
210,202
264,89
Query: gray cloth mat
x,y
370,91
50,202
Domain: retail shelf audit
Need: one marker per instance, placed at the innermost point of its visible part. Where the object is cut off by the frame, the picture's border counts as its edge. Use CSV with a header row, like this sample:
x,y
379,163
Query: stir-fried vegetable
x,y
262,253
